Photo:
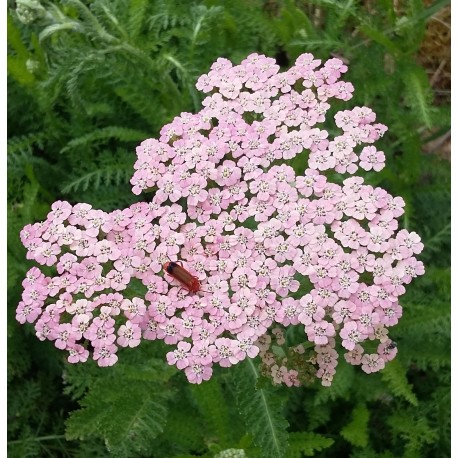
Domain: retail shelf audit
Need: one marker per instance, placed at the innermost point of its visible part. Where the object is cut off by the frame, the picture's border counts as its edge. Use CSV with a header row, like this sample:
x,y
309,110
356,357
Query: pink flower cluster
x,y
289,365
230,208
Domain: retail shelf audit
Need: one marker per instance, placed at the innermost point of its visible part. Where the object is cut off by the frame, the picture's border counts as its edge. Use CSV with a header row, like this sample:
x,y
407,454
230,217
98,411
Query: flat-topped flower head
x,y
255,243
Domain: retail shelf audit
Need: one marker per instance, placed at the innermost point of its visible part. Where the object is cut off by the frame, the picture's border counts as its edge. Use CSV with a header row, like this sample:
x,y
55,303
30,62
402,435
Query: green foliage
x,y
356,431
87,82
262,411
126,415
125,406
211,405
339,389
395,376
414,430
115,171
306,444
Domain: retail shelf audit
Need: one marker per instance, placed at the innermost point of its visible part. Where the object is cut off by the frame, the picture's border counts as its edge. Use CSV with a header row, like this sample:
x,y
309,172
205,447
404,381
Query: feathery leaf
x,y
261,410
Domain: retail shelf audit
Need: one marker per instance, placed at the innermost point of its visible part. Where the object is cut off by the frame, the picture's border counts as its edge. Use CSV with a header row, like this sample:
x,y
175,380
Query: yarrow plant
x,y
269,248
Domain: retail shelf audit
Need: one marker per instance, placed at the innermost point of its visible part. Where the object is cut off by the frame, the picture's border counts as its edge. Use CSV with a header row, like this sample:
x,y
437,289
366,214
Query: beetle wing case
x,y
185,278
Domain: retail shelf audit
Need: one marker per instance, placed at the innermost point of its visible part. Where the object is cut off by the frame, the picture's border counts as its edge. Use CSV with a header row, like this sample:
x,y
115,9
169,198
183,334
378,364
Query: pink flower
x,y
129,334
196,372
97,221
181,356
117,280
354,356
27,313
204,83
321,211
105,250
350,335
370,158
290,378
149,327
389,316
372,363
326,356
396,206
346,284
79,214
63,336
84,246
106,355
225,350
408,244
235,317
266,246
100,335
242,278
246,347
167,189
320,332
282,280
411,268
310,183
77,354
343,311
46,254
289,312
169,331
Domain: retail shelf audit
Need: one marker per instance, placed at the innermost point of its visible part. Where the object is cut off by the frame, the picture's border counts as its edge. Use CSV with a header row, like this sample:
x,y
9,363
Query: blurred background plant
x,y
87,82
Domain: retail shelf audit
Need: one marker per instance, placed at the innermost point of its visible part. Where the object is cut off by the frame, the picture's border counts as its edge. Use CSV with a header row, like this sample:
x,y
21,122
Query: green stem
x,y
30,174
36,439
406,220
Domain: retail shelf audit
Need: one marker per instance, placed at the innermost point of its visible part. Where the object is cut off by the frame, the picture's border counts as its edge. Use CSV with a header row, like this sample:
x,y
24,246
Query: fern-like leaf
x,y
187,429
55,28
307,444
369,452
127,408
356,432
426,320
107,174
261,410
92,24
418,93
147,111
395,376
107,133
317,417
414,430
136,15
26,445
16,64
340,388
211,404
25,142
380,37
435,241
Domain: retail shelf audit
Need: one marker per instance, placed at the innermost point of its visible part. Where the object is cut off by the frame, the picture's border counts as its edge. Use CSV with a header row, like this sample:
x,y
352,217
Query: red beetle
x,y
185,278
